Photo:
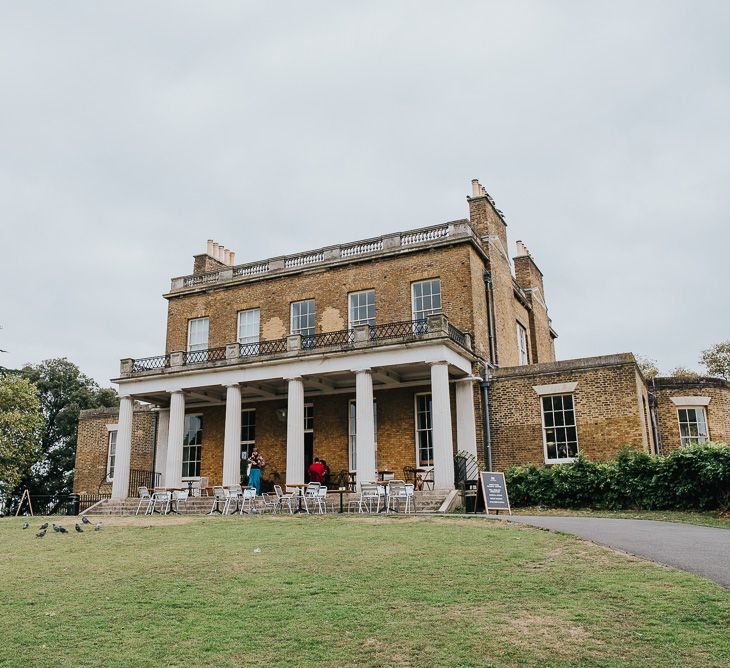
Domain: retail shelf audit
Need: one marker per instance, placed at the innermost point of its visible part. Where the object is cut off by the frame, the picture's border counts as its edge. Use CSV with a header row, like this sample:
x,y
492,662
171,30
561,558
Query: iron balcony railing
x,y
345,339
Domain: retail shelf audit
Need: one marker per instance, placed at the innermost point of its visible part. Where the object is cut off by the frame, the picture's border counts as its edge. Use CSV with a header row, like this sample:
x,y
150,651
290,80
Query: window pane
x,y
362,308
198,334
248,325
560,433
426,298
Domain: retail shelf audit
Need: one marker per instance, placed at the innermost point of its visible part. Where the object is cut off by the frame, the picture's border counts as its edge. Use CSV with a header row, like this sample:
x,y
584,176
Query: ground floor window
x,y
192,446
248,435
424,431
559,430
111,457
692,426
352,430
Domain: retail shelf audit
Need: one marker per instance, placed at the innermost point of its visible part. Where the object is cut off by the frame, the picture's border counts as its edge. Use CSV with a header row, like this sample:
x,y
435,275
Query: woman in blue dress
x,y
255,464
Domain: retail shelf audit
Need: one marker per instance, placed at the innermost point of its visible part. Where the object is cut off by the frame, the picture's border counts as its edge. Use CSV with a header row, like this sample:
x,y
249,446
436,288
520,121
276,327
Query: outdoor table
x,y
341,492
166,489
300,487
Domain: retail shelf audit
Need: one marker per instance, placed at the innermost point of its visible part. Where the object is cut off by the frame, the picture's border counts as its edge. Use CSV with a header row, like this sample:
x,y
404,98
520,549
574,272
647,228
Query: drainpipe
x,y
489,296
654,417
485,417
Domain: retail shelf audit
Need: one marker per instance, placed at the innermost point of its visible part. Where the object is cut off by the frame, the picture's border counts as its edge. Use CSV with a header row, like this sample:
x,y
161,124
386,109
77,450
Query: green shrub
x,y
693,478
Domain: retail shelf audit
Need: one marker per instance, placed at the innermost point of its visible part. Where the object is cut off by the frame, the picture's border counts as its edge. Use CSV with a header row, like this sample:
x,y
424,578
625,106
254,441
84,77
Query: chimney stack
x,y
522,250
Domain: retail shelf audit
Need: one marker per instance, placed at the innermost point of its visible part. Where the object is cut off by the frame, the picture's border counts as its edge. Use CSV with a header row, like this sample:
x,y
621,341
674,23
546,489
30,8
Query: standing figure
x,y
255,464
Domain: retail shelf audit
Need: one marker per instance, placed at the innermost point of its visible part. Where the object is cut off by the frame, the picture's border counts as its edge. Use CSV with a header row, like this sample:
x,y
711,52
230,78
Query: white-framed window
x,y
560,434
425,298
692,425
198,334
248,435
192,446
424,431
352,431
308,418
248,325
302,317
111,456
522,345
362,308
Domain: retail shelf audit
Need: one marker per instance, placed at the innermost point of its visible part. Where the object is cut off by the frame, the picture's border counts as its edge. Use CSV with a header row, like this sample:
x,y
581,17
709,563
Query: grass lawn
x,y
710,519
352,591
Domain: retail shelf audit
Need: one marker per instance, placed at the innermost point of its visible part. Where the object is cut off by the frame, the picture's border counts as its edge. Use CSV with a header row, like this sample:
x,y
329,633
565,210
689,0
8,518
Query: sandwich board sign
x,y
492,492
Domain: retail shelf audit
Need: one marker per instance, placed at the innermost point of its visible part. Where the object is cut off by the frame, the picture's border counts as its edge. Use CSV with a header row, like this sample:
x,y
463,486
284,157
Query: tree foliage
x,y
63,392
21,425
647,366
717,360
683,372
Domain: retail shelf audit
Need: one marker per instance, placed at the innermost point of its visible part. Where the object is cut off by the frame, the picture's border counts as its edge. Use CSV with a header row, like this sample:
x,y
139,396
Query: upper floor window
x,y
198,334
248,325
692,426
302,317
522,345
362,308
111,457
426,298
192,446
559,429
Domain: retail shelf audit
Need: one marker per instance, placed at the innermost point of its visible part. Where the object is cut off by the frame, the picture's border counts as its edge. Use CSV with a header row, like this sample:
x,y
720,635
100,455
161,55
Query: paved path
x,y
697,549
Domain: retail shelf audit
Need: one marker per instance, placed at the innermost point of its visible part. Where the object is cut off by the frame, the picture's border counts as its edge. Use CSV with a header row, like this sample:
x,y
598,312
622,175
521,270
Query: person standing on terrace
x,y
255,464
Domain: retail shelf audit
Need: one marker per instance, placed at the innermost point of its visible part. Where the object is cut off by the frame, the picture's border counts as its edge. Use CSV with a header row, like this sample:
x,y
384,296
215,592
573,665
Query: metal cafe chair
x,y
269,502
282,499
233,495
179,497
310,494
144,495
248,499
321,500
163,498
397,494
219,501
368,497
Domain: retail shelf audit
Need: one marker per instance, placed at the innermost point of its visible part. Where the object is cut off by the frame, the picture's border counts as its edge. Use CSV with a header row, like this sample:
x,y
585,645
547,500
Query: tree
x,y
647,366
63,391
683,372
717,360
21,425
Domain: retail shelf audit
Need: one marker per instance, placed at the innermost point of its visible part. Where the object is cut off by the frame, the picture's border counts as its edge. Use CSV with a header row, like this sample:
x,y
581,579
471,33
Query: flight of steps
x,y
428,501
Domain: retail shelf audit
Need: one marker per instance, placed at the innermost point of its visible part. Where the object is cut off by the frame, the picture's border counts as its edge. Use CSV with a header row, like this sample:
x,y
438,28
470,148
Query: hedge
x,y
694,478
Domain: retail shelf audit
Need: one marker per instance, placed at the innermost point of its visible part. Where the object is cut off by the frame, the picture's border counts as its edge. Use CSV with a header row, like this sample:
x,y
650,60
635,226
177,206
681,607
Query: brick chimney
x,y
485,217
527,273
216,257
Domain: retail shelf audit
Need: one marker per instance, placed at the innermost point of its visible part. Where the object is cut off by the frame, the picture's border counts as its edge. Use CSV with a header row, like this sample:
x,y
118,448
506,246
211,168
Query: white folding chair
x,y
282,498
144,495
203,484
321,500
179,497
269,502
163,498
369,496
410,497
310,494
396,494
247,500
233,495
219,501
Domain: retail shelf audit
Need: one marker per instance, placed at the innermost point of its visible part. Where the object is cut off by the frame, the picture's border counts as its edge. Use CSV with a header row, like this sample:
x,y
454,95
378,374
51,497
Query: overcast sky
x,y
131,132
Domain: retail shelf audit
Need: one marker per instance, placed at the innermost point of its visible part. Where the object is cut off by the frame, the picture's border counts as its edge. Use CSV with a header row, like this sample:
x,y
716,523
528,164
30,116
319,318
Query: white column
x,y
163,426
232,437
124,449
176,433
295,432
466,430
443,450
364,427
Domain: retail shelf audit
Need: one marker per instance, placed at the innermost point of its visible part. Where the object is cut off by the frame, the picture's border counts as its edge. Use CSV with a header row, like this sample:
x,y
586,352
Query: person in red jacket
x,y
316,471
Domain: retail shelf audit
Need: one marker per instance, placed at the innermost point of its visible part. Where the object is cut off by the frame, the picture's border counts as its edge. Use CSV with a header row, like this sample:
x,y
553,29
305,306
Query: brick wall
x,y
717,411
606,408
92,446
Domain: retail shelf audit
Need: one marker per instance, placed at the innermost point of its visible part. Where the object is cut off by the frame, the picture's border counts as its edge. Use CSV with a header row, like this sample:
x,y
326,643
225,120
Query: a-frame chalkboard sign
x,y
491,493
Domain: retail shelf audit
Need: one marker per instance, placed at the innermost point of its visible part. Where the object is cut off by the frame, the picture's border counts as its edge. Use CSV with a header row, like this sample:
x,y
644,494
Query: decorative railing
x,y
262,348
151,363
406,329
343,337
203,356
457,335
456,230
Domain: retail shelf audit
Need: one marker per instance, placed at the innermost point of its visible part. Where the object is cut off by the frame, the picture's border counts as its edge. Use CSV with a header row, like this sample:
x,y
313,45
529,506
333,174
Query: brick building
x,y
381,354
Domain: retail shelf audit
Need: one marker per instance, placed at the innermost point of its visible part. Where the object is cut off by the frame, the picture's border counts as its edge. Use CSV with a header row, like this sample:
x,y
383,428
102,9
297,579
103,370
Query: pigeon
x,y
85,520
44,526
56,528
62,530
97,526
78,528
40,534
25,525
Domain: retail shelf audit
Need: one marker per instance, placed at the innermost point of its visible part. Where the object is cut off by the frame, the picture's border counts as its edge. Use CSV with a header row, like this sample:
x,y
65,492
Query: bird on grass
x,y
97,526
85,520
25,525
56,528
62,530
78,528
40,534
44,526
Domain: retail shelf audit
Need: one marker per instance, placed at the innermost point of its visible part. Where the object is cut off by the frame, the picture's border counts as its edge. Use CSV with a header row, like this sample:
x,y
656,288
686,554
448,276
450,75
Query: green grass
x,y
710,519
354,591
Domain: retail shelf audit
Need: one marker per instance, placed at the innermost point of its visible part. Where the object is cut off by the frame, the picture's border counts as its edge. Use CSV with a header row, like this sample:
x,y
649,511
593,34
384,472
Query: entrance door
x,y
308,453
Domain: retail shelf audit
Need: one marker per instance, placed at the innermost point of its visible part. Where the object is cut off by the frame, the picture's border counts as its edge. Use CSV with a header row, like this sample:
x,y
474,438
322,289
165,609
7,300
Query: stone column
x,y
232,437
120,485
295,432
443,450
364,427
466,430
176,433
163,426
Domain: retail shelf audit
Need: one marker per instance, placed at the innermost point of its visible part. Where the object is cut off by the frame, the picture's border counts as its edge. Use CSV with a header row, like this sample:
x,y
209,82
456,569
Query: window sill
x,y
567,460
